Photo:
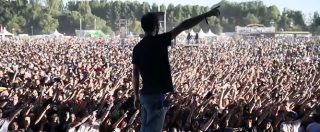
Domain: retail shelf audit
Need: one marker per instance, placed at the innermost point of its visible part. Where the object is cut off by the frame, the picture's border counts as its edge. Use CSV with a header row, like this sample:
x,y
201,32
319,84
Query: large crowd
x,y
236,85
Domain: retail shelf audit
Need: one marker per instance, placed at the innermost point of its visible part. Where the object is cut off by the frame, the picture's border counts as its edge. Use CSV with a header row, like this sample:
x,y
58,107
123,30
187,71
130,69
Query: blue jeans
x,y
152,113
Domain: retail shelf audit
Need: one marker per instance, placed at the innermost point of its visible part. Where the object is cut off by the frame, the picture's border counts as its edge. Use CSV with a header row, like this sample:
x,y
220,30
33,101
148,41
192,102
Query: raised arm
x,y
42,114
14,115
116,124
264,115
74,94
209,122
105,115
28,110
83,120
133,117
189,23
135,83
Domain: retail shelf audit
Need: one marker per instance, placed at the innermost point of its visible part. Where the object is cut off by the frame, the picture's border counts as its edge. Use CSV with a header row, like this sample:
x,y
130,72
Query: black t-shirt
x,y
52,128
151,57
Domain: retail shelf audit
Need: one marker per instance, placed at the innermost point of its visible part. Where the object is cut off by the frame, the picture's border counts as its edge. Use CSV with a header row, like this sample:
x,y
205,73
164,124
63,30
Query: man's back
x,y
151,57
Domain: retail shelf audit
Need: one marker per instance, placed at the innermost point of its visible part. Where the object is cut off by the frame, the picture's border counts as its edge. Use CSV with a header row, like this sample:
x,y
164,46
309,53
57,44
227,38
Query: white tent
x,y
192,33
183,33
56,34
210,34
5,33
130,34
201,34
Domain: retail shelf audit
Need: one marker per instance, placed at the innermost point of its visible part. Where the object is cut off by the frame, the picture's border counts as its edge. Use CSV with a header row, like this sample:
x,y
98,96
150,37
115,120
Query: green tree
x,y
155,8
284,22
135,27
54,7
32,16
98,9
5,12
186,11
163,8
317,30
273,13
115,17
22,15
89,22
297,20
73,6
251,19
145,7
69,22
47,23
94,4
13,14
84,8
217,29
314,27
108,30
170,17
16,23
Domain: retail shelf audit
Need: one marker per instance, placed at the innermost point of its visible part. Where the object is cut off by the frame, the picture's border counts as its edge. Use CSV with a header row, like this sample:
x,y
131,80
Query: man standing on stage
x,y
150,60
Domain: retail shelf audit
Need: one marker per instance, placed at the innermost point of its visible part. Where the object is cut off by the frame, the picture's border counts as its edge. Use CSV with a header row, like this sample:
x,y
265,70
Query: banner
x,y
248,30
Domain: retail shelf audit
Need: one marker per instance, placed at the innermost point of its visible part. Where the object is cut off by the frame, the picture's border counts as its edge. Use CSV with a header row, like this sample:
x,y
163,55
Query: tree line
x,y
44,16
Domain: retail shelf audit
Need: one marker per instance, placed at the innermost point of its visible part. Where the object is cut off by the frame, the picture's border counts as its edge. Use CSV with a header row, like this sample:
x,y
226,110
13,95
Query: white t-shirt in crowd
x,y
4,125
293,127
313,127
86,127
117,130
72,129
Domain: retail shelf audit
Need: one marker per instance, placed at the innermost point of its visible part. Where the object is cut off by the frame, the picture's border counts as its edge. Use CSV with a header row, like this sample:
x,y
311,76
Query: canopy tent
x,y
210,34
56,34
130,34
5,33
201,34
192,33
183,34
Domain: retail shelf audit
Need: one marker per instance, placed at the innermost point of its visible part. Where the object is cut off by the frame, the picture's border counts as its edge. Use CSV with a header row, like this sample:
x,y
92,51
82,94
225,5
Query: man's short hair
x,y
149,21
291,114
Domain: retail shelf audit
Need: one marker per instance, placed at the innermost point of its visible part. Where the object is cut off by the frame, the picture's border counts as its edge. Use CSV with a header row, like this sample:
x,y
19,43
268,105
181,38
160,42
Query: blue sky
x,y
306,6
